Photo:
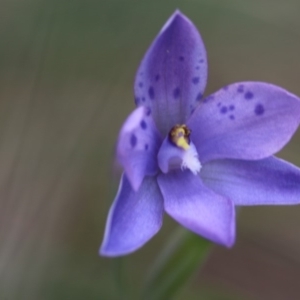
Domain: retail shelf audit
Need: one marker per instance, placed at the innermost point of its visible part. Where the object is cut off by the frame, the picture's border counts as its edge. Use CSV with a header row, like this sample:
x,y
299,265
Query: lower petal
x,y
262,182
198,208
133,219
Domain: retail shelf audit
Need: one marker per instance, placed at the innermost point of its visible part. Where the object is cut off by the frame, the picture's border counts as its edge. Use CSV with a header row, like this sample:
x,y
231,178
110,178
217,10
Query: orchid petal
x,y
262,182
172,75
249,120
196,207
138,145
133,219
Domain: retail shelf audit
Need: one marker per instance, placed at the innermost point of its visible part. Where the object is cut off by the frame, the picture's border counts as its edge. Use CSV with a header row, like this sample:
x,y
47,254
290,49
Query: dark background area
x,y
66,86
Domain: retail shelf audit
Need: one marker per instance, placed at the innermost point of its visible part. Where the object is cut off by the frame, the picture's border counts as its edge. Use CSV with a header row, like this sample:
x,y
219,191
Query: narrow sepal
x,y
138,145
271,181
133,219
172,75
198,208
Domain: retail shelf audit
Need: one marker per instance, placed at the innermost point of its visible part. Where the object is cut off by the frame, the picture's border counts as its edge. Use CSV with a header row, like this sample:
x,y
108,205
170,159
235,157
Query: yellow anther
x,y
179,135
181,142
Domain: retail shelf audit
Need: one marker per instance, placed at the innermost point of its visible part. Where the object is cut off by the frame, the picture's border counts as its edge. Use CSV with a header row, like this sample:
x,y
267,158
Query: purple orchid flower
x,y
197,158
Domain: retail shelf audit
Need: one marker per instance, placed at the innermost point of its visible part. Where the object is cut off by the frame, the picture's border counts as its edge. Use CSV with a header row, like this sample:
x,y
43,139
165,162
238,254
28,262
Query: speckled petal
x,y
248,120
198,208
133,219
262,182
172,76
137,147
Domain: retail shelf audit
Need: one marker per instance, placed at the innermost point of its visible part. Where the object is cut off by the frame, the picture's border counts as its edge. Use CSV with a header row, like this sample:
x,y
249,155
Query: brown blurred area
x,y
66,78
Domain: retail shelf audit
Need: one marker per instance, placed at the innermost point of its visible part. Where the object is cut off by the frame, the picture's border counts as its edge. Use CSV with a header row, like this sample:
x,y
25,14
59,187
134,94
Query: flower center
x,y
179,136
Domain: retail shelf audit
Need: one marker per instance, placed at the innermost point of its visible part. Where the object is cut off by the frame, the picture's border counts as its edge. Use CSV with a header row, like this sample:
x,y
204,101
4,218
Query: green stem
x,y
177,262
118,266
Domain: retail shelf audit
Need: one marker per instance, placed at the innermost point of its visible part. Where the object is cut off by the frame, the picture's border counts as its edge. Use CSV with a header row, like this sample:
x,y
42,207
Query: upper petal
x,y
133,219
198,208
172,75
261,182
138,145
249,120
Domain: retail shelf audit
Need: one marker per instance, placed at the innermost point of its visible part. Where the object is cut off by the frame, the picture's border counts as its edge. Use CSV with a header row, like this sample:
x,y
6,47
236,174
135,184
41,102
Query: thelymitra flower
x,y
197,158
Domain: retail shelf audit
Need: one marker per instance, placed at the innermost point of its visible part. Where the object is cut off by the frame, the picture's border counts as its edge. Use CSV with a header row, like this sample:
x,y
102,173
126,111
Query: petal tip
x,y
102,250
107,253
230,242
135,183
177,15
108,250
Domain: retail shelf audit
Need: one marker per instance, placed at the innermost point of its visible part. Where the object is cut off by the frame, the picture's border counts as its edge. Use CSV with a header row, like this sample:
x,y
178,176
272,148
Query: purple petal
x,y
138,145
133,219
261,182
172,76
196,207
249,120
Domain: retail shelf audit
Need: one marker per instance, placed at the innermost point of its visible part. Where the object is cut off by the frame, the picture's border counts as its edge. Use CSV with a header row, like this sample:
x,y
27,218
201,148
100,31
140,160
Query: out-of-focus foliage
x,y
183,254
66,76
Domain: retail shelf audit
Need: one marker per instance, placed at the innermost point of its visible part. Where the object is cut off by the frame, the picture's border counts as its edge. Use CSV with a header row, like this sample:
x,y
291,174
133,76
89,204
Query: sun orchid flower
x,y
196,158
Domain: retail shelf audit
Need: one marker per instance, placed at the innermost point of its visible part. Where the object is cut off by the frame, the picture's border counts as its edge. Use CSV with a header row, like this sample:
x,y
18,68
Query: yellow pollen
x,y
179,135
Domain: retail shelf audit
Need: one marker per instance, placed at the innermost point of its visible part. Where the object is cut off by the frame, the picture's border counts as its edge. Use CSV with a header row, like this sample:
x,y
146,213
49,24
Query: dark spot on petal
x,y
141,84
259,110
240,88
201,61
231,117
223,110
181,58
157,77
176,93
199,97
148,112
291,179
146,147
219,104
192,108
197,67
133,140
143,124
249,95
195,80
231,107
208,98
151,92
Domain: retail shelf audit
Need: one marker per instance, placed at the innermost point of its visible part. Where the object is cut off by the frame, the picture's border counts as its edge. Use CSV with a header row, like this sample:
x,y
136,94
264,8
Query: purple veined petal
x,y
247,120
137,147
172,75
261,182
198,208
134,218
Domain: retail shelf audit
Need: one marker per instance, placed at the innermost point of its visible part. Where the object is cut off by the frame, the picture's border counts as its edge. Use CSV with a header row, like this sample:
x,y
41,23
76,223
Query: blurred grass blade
x,y
181,257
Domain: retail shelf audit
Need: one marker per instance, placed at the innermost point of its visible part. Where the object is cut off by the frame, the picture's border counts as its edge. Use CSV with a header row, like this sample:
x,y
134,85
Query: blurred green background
x,y
66,86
